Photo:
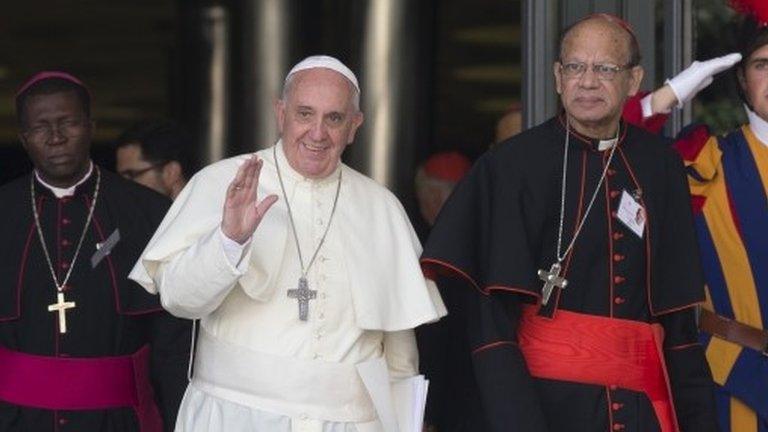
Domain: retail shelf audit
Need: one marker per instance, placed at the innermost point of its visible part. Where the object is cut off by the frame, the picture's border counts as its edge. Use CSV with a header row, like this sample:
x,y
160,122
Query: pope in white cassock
x,y
298,268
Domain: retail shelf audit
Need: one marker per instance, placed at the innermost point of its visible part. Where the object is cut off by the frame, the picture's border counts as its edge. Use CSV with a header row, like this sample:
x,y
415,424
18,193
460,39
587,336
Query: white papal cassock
x,y
258,367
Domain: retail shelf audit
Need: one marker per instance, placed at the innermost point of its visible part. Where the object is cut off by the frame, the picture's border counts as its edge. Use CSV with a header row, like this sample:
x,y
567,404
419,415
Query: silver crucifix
x,y
551,280
303,294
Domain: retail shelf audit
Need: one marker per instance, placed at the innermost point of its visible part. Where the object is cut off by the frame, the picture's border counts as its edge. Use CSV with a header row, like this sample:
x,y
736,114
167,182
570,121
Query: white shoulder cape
x,y
381,253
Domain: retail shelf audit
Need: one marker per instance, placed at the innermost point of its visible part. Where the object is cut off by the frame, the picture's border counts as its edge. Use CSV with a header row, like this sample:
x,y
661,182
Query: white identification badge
x,y
632,214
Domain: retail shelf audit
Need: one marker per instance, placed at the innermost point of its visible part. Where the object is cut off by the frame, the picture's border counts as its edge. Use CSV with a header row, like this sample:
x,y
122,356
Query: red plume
x,y
756,8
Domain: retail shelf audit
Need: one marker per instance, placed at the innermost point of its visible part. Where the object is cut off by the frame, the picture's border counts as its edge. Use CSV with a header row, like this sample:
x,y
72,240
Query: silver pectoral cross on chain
x,y
551,280
303,294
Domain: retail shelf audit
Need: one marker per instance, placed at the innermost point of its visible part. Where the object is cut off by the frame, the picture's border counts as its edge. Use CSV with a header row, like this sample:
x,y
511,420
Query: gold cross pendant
x,y
61,307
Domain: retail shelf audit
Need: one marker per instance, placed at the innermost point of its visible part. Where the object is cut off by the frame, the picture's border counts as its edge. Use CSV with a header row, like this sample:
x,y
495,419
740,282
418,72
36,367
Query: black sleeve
x,y
507,391
689,374
432,340
453,401
678,280
170,342
481,235
481,232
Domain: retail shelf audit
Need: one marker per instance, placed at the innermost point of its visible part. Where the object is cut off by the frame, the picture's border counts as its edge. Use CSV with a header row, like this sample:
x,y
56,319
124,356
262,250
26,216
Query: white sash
x,y
293,387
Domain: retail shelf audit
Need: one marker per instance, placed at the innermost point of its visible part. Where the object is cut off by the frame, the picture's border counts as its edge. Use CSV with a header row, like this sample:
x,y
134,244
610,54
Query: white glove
x,y
698,76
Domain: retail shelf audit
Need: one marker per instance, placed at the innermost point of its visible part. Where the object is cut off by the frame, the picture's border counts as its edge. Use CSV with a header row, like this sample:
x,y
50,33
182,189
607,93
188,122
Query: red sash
x,y
61,383
598,350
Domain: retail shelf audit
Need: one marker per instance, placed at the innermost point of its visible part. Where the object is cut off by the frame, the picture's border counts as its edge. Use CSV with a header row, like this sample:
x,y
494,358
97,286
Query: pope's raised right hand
x,y
242,210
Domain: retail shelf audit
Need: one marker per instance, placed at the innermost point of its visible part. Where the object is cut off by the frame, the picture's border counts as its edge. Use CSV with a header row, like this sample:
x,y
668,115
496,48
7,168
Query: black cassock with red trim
x,y
113,316
500,227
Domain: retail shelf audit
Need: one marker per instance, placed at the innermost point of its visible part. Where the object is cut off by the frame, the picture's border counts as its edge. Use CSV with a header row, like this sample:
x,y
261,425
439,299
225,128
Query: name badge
x,y
632,214
104,248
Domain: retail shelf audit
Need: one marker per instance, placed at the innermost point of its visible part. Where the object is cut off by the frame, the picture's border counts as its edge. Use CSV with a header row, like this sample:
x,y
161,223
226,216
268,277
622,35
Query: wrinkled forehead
x,y
322,82
320,76
597,36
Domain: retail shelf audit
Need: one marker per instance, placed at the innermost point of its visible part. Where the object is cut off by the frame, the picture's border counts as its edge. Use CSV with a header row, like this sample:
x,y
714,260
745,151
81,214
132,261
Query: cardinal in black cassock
x,y
82,348
614,348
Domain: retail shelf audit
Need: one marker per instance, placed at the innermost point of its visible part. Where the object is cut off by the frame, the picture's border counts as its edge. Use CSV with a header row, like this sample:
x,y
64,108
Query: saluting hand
x,y
242,211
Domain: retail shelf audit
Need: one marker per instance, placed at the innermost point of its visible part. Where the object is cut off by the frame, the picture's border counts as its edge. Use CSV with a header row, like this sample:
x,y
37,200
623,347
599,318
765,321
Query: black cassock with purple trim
x,y
113,317
500,227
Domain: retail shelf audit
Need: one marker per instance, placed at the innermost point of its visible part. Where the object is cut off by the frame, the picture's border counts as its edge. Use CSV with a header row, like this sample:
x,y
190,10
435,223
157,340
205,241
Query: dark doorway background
x,y
138,59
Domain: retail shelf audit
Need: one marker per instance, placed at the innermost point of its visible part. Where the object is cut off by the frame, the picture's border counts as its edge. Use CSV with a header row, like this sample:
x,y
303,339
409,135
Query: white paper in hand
x,y
375,377
400,404
410,399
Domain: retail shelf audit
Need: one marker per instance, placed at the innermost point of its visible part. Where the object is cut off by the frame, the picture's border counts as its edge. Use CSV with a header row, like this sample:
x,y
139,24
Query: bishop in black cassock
x,y
120,364
616,348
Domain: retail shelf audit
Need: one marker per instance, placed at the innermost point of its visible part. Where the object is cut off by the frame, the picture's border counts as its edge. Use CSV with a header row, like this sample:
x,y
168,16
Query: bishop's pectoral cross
x,y
303,294
61,307
551,280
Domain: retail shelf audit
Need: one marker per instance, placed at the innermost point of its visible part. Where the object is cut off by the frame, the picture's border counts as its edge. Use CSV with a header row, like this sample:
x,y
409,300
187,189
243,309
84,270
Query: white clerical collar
x,y
297,176
606,144
65,192
758,125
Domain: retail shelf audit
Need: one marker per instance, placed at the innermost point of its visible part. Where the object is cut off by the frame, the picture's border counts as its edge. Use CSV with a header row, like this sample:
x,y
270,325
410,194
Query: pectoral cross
x,y
61,307
303,294
551,280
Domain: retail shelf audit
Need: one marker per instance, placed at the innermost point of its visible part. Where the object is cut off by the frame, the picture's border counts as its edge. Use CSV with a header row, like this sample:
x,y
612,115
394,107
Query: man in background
x,y
510,124
435,180
155,154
